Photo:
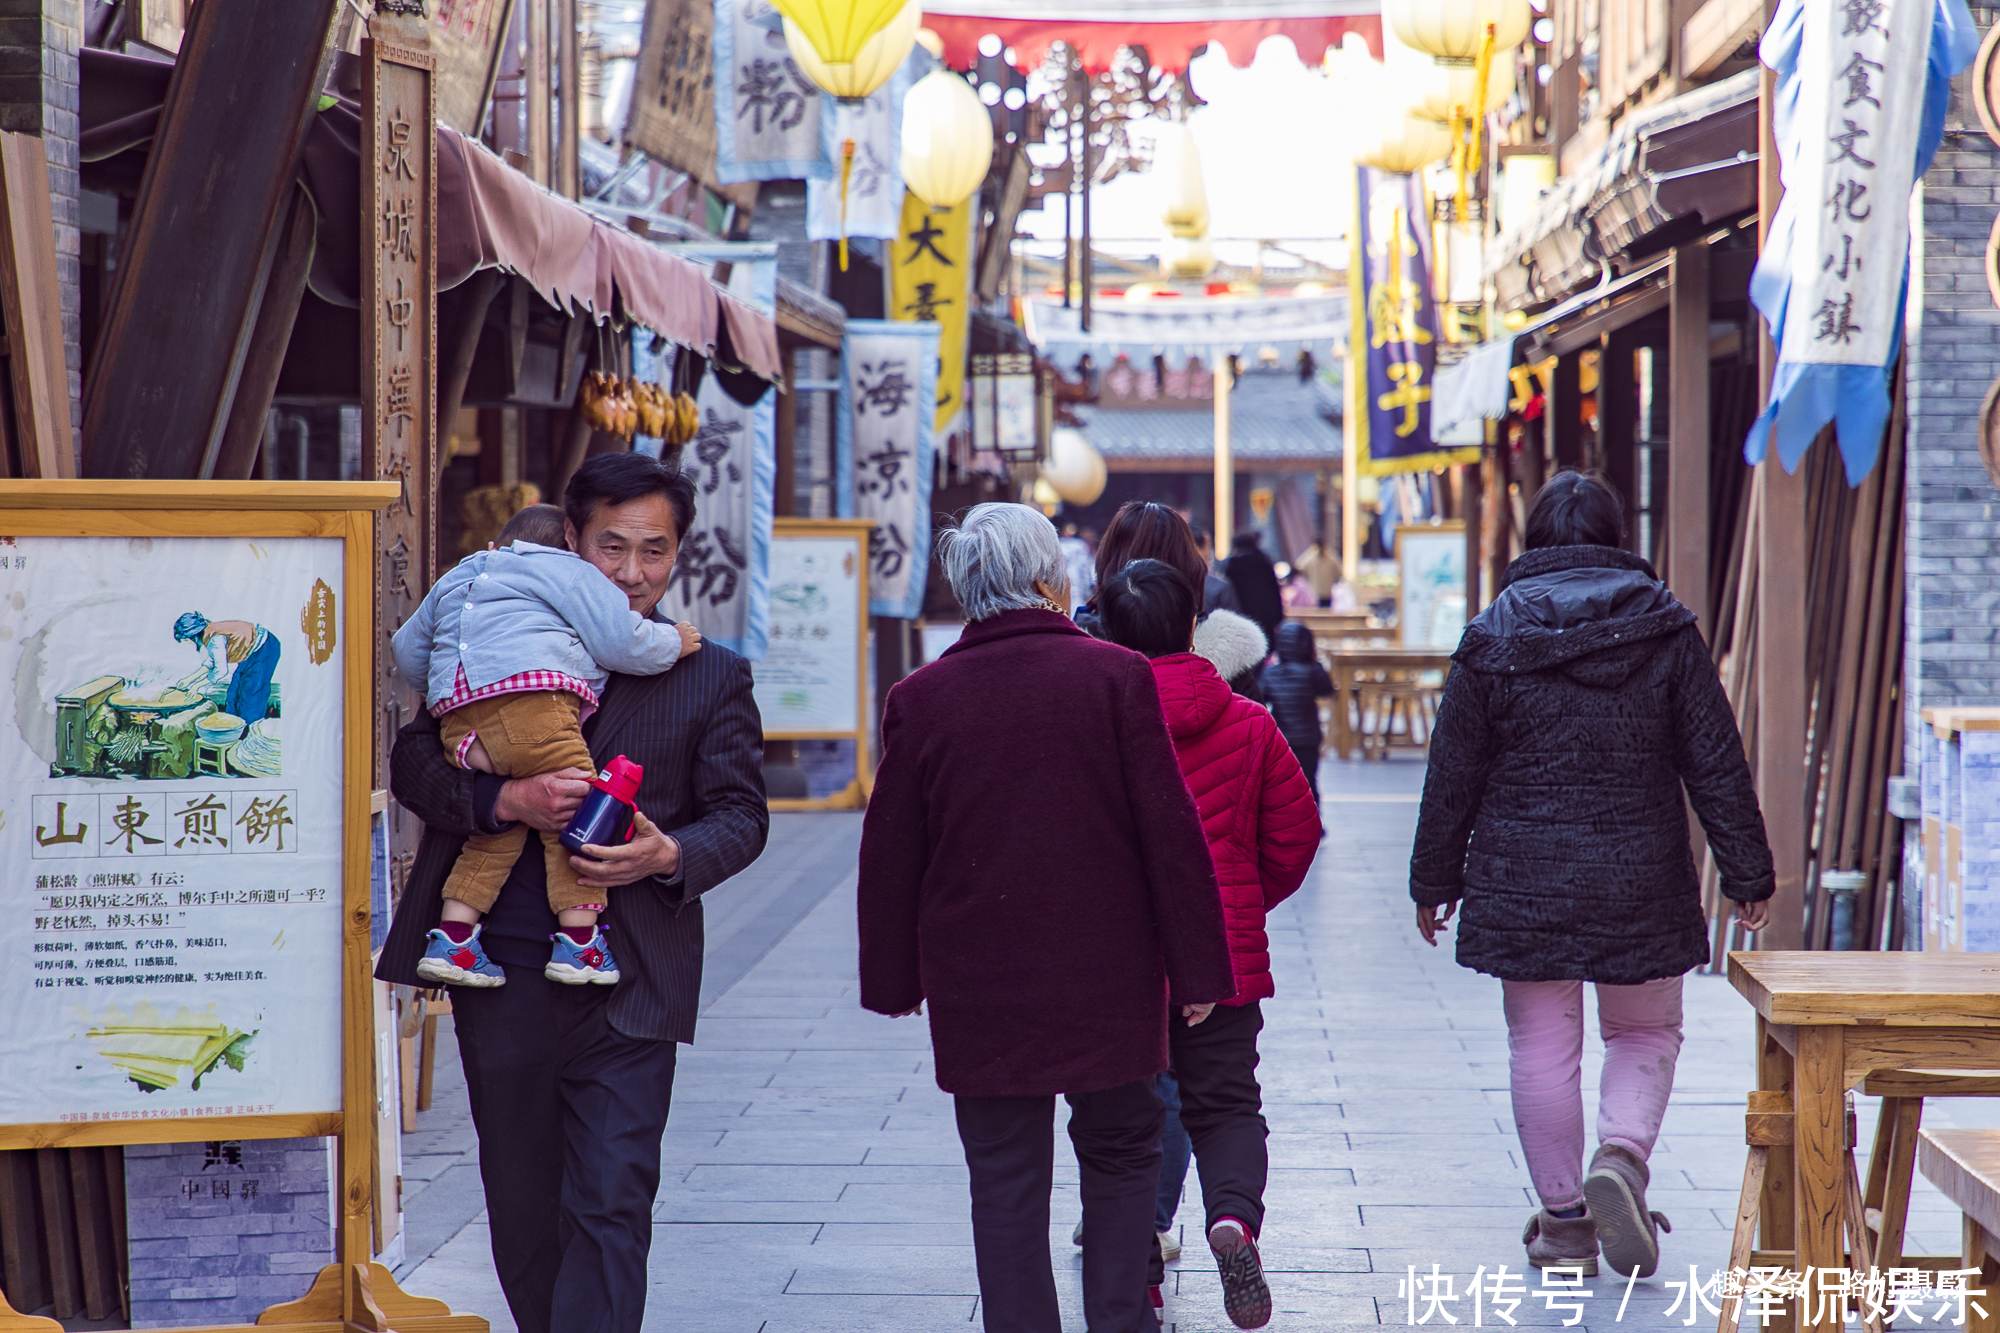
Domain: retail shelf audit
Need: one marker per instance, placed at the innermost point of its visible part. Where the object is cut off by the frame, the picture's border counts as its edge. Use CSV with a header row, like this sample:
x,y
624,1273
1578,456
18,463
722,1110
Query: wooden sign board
x,y
813,681
672,118
185,832
398,359
466,37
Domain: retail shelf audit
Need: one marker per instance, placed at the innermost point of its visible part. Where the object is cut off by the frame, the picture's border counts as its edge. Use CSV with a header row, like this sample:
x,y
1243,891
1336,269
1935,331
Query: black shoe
x,y
1245,1294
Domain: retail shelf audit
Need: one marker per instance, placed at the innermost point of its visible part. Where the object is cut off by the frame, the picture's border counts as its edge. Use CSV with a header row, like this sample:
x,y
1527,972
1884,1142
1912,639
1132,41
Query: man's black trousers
x,y
1010,1152
570,1115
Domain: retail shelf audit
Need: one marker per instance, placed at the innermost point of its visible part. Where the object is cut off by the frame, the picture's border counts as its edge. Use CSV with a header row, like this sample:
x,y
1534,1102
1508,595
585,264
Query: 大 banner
x,y
930,275
884,453
1395,334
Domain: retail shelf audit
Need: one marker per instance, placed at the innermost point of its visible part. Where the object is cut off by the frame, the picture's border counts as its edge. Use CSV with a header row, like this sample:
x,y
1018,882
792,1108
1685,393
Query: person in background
x,y
1077,554
1051,964
1294,591
1217,593
1250,571
1263,829
1293,686
1581,704
1144,530
1322,570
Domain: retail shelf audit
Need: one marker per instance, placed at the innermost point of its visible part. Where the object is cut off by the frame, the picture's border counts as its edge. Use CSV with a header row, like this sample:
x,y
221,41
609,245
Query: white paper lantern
x,y
947,139
1075,469
1403,143
1449,31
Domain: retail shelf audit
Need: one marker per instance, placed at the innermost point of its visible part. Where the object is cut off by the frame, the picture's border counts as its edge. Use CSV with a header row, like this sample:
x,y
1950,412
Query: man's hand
x,y
650,852
545,801
1754,915
1194,1013
1431,920
911,1013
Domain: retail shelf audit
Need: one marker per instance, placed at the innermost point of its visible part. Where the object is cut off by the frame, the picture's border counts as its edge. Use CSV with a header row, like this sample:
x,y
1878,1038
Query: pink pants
x,y
1641,1026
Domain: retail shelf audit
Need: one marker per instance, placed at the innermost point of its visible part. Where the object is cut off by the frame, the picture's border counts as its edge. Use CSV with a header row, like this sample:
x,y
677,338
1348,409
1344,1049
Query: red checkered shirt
x,y
522,682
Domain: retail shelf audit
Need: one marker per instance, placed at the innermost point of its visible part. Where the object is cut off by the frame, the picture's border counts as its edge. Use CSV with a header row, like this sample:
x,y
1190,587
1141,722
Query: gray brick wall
x,y
218,1232
39,40
1952,563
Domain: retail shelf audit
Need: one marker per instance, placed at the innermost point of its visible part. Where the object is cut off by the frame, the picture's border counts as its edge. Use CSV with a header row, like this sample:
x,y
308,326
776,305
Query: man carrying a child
x,y
570,1084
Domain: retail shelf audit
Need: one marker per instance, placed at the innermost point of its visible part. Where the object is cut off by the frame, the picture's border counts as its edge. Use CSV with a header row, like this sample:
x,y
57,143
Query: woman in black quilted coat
x,y
1581,704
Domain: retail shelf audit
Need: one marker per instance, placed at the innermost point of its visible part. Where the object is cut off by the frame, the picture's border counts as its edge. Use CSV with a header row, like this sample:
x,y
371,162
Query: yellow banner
x,y
930,277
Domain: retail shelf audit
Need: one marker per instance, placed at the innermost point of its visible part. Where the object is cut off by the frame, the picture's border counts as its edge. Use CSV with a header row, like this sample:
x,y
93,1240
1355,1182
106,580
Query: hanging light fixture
x,y
947,139
874,62
1404,143
838,29
1450,31
1184,213
1446,92
1075,470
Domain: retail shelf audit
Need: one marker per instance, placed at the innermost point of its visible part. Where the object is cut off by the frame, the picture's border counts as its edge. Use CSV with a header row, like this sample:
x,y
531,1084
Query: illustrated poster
x,y
171,829
807,681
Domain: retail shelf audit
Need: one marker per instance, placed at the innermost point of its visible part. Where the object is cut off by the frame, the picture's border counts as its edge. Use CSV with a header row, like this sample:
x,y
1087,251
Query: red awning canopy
x,y
1172,31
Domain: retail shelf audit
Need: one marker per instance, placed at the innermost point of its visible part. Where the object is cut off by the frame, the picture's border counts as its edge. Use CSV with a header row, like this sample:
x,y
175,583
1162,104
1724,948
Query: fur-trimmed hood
x,y
1232,644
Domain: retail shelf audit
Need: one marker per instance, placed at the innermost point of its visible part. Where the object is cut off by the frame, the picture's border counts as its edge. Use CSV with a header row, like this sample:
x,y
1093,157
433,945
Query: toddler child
x,y
512,647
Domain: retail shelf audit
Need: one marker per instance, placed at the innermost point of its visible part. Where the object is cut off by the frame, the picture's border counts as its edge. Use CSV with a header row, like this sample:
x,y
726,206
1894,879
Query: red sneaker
x,y
1245,1294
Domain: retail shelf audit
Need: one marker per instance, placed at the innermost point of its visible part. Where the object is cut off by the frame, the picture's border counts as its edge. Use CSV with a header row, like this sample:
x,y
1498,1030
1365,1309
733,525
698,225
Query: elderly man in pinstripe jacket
x,y
570,1084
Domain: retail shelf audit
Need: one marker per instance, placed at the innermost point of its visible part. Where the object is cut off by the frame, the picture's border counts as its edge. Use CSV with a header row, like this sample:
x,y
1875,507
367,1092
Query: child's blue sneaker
x,y
576,964
453,964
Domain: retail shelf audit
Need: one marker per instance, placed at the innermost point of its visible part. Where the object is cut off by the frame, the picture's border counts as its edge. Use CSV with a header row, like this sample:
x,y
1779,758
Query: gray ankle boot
x,y
1561,1242
1615,1191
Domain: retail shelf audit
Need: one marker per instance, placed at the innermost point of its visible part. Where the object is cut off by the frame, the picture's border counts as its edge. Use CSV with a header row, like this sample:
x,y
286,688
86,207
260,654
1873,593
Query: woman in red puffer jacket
x,y
1263,828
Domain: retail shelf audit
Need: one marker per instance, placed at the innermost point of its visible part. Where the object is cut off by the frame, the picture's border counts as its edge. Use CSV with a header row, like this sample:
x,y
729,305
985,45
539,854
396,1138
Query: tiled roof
x,y
1272,418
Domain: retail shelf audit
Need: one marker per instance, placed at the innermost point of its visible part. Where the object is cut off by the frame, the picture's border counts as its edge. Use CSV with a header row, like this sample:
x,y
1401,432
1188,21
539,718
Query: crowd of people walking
x,y
1124,968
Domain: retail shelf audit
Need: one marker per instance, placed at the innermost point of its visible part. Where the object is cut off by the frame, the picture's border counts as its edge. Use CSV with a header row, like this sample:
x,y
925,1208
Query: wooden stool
x,y
1892,1161
1965,1166
420,1014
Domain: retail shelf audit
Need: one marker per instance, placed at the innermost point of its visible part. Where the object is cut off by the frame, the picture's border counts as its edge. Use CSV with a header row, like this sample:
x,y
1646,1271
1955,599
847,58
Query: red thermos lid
x,y
620,780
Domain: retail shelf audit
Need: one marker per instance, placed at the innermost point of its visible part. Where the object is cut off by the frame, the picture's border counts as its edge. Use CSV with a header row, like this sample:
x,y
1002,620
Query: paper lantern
x,y
1449,31
879,57
1075,469
1185,258
1177,166
838,29
1434,89
1403,143
947,139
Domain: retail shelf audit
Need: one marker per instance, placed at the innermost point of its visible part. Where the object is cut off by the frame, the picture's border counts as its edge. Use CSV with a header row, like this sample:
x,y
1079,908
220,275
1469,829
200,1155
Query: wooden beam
x,y
33,301
1687,434
537,90
217,182
277,310
1617,415
786,487
470,301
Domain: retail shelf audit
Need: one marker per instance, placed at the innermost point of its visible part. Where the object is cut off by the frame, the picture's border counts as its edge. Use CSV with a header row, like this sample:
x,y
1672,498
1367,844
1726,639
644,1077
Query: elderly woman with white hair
x,y
1045,960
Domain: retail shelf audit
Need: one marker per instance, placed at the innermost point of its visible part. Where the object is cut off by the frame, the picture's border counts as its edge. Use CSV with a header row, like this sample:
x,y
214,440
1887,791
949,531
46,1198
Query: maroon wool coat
x,y
1032,864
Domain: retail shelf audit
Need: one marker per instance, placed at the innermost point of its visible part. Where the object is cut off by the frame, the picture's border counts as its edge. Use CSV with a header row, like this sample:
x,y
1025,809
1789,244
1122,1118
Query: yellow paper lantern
x,y
1403,143
1075,470
838,29
947,139
1449,31
879,57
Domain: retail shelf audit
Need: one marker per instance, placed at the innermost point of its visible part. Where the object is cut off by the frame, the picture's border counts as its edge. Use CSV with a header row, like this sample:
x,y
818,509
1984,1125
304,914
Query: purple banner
x,y
1395,320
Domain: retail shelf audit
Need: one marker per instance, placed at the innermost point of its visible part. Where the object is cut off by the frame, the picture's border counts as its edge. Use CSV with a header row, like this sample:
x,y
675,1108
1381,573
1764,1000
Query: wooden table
x,y
1825,1021
1394,681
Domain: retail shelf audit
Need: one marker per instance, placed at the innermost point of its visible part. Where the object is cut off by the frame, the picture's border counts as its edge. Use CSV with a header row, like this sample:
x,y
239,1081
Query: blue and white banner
x,y
1862,88
722,581
771,122
885,451
875,181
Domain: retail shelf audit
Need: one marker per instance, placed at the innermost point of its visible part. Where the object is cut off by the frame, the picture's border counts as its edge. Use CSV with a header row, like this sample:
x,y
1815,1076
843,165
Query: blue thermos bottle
x,y
605,817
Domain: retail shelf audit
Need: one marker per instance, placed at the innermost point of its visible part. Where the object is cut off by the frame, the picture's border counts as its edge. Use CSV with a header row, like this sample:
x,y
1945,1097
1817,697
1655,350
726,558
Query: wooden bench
x,y
1965,1165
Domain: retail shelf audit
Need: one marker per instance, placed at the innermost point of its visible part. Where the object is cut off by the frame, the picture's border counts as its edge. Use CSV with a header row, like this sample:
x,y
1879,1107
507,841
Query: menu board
x,y
171,757
809,681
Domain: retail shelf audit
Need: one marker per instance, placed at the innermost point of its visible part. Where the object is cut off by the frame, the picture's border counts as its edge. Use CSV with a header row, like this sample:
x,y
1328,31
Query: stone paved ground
x,y
813,1181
